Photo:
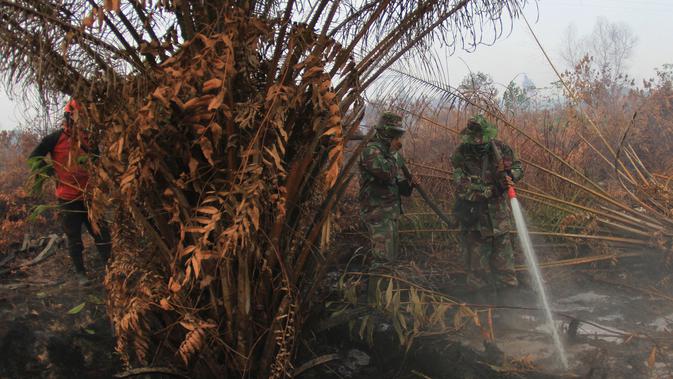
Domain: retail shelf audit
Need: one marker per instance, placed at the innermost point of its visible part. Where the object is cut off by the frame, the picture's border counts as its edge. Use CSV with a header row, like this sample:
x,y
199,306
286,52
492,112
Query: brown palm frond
x,y
222,127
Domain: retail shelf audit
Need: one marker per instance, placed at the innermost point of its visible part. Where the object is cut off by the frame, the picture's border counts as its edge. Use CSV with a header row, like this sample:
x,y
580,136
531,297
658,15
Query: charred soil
x,y
50,326
616,321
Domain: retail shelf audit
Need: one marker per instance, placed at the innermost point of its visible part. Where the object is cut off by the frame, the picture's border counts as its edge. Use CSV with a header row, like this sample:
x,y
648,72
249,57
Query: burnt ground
x,y
615,320
612,317
50,327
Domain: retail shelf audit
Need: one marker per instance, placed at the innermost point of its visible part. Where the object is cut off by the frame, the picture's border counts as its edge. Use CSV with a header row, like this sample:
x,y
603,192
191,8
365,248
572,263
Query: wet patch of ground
x,y
615,323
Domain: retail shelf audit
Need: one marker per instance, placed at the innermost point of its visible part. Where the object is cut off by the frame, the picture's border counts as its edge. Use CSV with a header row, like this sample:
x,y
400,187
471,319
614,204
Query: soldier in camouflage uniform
x,y
382,182
482,207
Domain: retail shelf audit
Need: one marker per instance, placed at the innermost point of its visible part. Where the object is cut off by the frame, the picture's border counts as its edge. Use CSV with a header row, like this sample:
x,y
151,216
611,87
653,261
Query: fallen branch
x,y
616,333
632,241
44,254
315,362
8,258
12,286
420,374
579,261
566,262
648,291
28,283
26,240
411,163
150,370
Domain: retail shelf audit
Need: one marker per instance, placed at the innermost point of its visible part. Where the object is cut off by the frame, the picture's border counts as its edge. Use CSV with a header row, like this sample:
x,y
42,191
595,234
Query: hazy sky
x,y
650,21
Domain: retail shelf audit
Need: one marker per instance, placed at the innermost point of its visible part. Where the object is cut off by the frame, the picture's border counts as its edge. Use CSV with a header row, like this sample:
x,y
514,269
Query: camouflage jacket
x,y
380,173
481,202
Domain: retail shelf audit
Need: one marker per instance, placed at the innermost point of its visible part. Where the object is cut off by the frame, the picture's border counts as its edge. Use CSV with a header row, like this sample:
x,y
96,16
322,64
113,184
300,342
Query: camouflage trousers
x,y
383,226
489,258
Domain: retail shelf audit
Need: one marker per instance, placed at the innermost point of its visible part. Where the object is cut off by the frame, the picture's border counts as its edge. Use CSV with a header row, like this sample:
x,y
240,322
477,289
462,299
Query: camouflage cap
x,y
479,130
390,125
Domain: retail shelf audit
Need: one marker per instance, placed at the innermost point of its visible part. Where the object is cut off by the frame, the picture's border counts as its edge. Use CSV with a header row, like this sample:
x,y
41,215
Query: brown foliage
x,y
584,178
16,205
221,135
221,159
210,176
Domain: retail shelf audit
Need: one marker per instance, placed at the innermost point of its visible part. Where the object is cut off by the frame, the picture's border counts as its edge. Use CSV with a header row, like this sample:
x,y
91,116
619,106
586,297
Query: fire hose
x,y
429,201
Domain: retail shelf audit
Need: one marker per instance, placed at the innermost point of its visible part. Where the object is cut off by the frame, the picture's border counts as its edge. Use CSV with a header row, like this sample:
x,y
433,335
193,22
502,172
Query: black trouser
x,y
73,215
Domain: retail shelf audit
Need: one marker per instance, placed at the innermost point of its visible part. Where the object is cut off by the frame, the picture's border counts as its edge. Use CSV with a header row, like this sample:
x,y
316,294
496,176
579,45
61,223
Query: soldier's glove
x,y
414,181
504,182
405,187
509,182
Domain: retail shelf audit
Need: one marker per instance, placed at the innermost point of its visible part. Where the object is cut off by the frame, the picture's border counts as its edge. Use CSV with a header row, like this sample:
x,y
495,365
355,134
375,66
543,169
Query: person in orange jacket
x,y
67,148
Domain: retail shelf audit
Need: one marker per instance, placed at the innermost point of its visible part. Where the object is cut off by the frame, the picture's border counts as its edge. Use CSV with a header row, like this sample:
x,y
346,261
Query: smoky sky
x,y
516,53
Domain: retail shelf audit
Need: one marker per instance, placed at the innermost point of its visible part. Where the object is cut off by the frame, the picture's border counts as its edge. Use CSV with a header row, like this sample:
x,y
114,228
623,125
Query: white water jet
x,y
527,246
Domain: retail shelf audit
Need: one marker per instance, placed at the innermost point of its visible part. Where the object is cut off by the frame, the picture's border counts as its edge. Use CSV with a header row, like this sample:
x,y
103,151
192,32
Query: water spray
x,y
531,259
526,245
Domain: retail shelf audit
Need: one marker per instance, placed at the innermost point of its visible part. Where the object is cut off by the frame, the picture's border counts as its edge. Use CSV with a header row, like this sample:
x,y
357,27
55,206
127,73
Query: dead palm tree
x,y
222,127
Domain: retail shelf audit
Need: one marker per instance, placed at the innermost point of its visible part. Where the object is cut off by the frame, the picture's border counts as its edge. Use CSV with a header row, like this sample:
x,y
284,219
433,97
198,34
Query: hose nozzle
x,y
511,192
